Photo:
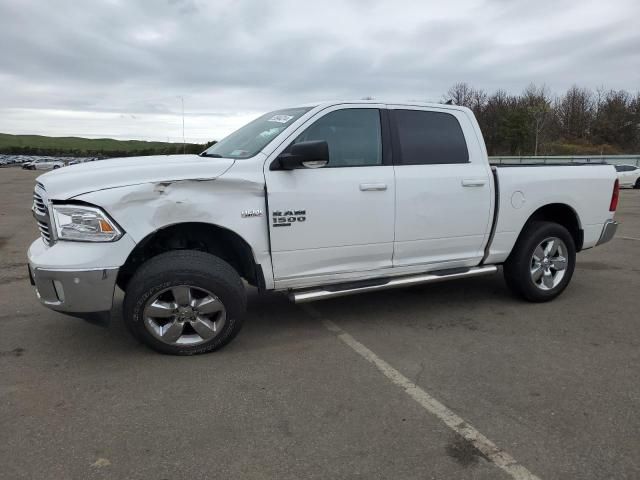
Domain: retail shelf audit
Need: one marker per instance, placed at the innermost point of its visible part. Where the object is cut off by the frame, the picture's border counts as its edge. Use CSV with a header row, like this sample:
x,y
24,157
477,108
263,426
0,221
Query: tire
x,y
55,167
160,285
637,184
522,268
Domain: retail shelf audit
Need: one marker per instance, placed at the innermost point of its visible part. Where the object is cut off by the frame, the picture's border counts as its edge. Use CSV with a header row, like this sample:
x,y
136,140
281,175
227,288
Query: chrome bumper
x,y
78,278
86,294
608,231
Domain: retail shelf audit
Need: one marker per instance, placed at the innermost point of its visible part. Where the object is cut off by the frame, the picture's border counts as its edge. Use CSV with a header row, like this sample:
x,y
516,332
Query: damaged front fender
x,y
146,208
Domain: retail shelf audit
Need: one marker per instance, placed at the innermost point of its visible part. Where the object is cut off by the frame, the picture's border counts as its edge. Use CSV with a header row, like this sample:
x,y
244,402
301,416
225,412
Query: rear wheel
x,y
637,184
542,262
185,302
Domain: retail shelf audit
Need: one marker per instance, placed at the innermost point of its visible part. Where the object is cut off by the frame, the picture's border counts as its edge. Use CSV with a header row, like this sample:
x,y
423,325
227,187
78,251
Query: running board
x,y
341,290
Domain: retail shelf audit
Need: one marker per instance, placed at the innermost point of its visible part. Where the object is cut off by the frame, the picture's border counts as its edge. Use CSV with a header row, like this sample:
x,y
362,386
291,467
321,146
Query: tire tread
x,y
516,268
163,271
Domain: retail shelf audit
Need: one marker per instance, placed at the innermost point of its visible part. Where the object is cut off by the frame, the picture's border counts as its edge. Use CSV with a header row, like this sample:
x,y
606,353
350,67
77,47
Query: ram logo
x,y
285,218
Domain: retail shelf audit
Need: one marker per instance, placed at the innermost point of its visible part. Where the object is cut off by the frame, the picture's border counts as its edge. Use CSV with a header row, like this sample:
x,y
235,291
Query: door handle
x,y
371,187
473,182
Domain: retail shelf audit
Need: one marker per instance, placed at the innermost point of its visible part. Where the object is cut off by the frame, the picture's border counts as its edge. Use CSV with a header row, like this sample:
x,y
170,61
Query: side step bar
x,y
338,290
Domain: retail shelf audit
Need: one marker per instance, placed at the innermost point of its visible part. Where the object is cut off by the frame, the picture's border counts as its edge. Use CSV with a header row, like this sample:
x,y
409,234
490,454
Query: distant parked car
x,y
628,175
43,164
81,160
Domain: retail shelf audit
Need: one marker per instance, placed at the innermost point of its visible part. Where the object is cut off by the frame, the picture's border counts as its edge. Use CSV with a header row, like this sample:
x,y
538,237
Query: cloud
x,y
231,59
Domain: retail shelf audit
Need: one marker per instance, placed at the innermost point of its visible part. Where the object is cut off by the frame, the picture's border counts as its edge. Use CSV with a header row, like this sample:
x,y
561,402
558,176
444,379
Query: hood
x,y
74,180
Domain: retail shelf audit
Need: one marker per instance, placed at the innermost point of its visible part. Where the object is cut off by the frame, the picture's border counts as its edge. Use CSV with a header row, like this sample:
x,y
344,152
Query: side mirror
x,y
311,154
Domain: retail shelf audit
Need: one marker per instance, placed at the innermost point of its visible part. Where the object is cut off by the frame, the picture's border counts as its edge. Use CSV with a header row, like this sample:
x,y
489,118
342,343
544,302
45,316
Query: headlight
x,y
85,224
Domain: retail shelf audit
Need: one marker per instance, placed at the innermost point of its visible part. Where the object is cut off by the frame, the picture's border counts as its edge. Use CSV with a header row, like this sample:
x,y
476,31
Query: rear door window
x,y
428,138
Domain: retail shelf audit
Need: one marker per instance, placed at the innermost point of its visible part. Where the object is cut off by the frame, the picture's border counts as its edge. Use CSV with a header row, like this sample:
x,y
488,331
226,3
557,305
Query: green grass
x,y
90,146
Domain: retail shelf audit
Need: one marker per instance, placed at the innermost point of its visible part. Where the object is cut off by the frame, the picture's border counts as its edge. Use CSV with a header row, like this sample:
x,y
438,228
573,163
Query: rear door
x,y
339,218
444,194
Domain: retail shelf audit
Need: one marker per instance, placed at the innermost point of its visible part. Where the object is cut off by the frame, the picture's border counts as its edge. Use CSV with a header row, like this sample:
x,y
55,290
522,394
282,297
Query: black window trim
x,y
385,138
395,138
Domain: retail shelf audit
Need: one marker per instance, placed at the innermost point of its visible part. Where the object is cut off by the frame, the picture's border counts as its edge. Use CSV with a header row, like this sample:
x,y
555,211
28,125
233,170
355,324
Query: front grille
x,y
41,214
44,232
38,204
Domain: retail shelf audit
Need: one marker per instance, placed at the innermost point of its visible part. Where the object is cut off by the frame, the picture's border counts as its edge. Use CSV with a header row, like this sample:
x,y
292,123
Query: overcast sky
x,y
116,68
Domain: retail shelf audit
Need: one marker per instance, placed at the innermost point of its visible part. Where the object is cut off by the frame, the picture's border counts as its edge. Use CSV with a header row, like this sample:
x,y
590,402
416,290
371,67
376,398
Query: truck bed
x,y
520,192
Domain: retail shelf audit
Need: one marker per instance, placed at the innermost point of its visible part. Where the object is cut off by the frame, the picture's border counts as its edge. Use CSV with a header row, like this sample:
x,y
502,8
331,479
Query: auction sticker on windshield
x,y
238,153
281,118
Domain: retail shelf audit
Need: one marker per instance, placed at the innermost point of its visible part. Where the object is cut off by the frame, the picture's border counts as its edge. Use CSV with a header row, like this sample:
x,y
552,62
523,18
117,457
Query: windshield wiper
x,y
212,155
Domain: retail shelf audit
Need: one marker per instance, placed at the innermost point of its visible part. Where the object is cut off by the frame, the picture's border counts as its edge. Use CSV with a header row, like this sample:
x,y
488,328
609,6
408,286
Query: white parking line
x,y
456,423
629,238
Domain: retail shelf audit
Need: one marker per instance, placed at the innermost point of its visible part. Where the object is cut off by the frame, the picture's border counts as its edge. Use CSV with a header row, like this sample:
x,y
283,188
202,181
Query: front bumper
x,y
608,231
81,293
77,278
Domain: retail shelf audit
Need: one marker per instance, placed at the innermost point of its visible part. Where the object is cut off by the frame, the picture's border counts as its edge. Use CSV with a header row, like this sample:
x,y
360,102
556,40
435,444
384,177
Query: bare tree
x,y
574,112
466,96
461,94
616,122
580,121
538,104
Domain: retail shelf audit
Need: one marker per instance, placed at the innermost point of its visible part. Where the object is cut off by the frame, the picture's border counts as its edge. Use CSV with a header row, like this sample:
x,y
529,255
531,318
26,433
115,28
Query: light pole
x,y
184,146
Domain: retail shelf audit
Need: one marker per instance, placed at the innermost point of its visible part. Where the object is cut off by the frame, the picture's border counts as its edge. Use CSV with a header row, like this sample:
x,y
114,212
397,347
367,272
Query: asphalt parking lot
x,y
555,385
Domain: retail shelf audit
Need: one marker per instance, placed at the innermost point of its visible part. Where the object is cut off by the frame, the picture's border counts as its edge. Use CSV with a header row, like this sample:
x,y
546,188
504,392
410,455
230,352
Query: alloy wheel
x,y
184,315
549,263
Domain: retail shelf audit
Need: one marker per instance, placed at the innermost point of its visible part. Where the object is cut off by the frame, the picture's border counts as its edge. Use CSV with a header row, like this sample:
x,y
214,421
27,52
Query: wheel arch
x,y
562,214
207,237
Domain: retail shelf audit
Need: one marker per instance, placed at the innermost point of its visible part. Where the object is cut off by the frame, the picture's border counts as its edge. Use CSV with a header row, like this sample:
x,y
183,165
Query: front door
x,y
339,218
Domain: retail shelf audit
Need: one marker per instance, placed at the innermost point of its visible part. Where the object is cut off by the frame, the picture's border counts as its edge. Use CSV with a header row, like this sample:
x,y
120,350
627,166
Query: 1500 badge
x,y
284,218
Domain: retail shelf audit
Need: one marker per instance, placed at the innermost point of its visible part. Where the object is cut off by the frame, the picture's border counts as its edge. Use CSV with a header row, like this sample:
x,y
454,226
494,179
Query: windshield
x,y
254,136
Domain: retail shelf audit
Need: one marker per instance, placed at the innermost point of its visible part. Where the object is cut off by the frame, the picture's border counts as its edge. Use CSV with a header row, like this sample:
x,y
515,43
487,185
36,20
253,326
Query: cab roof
x,y
408,103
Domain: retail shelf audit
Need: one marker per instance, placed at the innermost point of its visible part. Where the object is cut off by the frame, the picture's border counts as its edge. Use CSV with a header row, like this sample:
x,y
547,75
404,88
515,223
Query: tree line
x,y
579,122
165,149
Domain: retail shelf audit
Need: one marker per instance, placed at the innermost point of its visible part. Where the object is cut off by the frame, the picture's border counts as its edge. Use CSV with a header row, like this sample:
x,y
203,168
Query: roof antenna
x,y
449,102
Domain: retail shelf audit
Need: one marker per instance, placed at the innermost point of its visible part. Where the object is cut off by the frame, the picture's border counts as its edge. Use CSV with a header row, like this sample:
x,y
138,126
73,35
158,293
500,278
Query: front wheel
x,y
542,262
185,302
637,184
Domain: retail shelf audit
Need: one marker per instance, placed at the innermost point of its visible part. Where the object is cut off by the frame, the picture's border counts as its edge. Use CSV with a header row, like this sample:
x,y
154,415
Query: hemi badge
x,y
251,213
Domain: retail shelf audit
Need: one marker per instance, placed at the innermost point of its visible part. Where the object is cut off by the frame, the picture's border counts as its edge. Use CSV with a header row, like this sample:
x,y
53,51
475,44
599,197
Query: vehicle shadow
x,y
426,305
272,321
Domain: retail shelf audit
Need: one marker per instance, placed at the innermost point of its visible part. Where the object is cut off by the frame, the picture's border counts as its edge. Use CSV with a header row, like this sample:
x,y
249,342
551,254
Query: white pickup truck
x,y
315,201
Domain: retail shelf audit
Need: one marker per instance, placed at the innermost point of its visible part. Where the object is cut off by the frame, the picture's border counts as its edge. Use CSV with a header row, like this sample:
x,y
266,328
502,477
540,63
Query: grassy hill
x,y
77,146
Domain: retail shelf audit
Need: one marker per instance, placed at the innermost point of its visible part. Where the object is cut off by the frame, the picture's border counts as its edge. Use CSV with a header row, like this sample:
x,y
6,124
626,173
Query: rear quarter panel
x,y
586,189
